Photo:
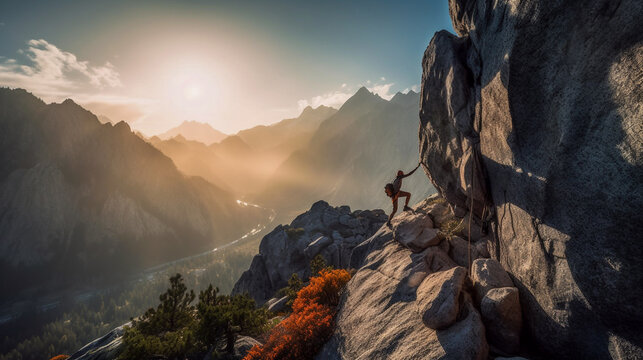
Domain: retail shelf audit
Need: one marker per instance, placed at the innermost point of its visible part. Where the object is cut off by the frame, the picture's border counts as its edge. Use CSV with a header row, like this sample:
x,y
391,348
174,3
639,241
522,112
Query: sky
x,y
232,64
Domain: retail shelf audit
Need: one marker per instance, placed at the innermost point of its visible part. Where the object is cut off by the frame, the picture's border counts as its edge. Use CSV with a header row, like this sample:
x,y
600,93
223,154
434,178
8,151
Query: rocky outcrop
x,y
407,302
533,115
105,348
330,231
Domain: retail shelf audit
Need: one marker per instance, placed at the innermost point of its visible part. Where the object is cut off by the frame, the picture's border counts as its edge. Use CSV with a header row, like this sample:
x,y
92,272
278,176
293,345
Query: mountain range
x,y
345,156
82,201
352,155
243,162
194,130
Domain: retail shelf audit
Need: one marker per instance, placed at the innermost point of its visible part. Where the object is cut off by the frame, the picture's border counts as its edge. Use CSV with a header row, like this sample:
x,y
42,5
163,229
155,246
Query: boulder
x,y
428,237
466,338
488,274
438,297
408,228
548,95
501,314
438,260
437,208
409,225
459,251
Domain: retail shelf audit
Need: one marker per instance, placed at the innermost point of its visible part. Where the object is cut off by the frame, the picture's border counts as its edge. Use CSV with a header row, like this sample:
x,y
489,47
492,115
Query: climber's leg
x,y
406,195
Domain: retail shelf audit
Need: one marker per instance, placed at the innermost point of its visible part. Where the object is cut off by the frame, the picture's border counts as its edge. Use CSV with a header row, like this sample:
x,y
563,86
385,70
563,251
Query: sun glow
x,y
192,91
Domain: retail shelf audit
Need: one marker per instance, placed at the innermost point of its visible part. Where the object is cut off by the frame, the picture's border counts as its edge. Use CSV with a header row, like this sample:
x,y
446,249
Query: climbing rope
x,y
473,164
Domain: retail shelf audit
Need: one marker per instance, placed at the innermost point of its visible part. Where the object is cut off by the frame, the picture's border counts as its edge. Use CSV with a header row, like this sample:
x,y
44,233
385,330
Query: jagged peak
x,y
121,125
362,97
363,91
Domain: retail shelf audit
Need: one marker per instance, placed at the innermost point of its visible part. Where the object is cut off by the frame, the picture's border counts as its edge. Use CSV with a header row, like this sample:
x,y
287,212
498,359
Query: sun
x,y
192,91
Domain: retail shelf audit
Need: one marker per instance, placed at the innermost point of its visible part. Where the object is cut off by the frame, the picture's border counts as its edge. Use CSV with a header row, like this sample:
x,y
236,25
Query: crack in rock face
x,y
548,95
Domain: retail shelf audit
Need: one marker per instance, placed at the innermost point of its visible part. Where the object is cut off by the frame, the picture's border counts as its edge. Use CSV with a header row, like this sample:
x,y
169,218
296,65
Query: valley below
x,y
113,303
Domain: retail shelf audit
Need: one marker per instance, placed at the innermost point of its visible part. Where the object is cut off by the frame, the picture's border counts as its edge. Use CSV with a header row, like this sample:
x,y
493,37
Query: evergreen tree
x,y
174,311
166,330
294,285
224,317
317,264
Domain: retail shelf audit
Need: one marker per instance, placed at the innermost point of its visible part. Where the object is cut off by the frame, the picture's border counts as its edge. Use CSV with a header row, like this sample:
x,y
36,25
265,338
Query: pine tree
x,y
317,264
223,316
174,311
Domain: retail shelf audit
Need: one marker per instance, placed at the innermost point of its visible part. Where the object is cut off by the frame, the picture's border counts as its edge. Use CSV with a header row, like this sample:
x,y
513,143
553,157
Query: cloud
x,y
333,99
415,88
338,97
383,90
53,73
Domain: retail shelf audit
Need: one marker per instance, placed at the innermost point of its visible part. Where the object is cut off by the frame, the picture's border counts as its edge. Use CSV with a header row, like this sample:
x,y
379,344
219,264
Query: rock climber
x,y
393,190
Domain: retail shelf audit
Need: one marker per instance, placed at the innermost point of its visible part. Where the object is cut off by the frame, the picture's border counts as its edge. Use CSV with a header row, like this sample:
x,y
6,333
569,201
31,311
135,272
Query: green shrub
x,y
294,285
294,233
450,228
317,264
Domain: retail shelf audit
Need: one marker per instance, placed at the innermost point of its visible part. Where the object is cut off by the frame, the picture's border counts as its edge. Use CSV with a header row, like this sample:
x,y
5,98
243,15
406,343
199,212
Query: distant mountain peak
x,y
123,125
405,99
195,131
309,110
362,98
363,91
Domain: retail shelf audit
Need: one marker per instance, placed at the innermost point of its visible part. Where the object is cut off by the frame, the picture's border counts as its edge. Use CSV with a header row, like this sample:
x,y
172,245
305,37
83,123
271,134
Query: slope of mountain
x,y
243,162
194,130
289,132
81,200
352,155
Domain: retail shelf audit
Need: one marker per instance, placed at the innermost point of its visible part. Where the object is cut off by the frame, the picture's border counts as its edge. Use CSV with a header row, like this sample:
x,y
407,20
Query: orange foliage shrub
x,y
302,334
60,357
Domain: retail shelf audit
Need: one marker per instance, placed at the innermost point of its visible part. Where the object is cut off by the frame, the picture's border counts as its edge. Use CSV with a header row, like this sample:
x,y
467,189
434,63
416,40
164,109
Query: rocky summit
x,y
330,231
409,299
531,118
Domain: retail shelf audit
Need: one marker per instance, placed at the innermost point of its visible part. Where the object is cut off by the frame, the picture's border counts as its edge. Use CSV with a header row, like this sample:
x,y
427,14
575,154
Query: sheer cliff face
x,y
549,95
81,200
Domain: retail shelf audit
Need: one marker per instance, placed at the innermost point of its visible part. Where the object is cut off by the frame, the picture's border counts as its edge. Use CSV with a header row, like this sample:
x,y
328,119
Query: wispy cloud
x,y
334,99
383,90
338,97
414,88
53,73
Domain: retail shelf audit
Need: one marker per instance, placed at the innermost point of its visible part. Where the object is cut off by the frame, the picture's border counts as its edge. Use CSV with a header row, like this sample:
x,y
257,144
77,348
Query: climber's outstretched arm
x,y
411,173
